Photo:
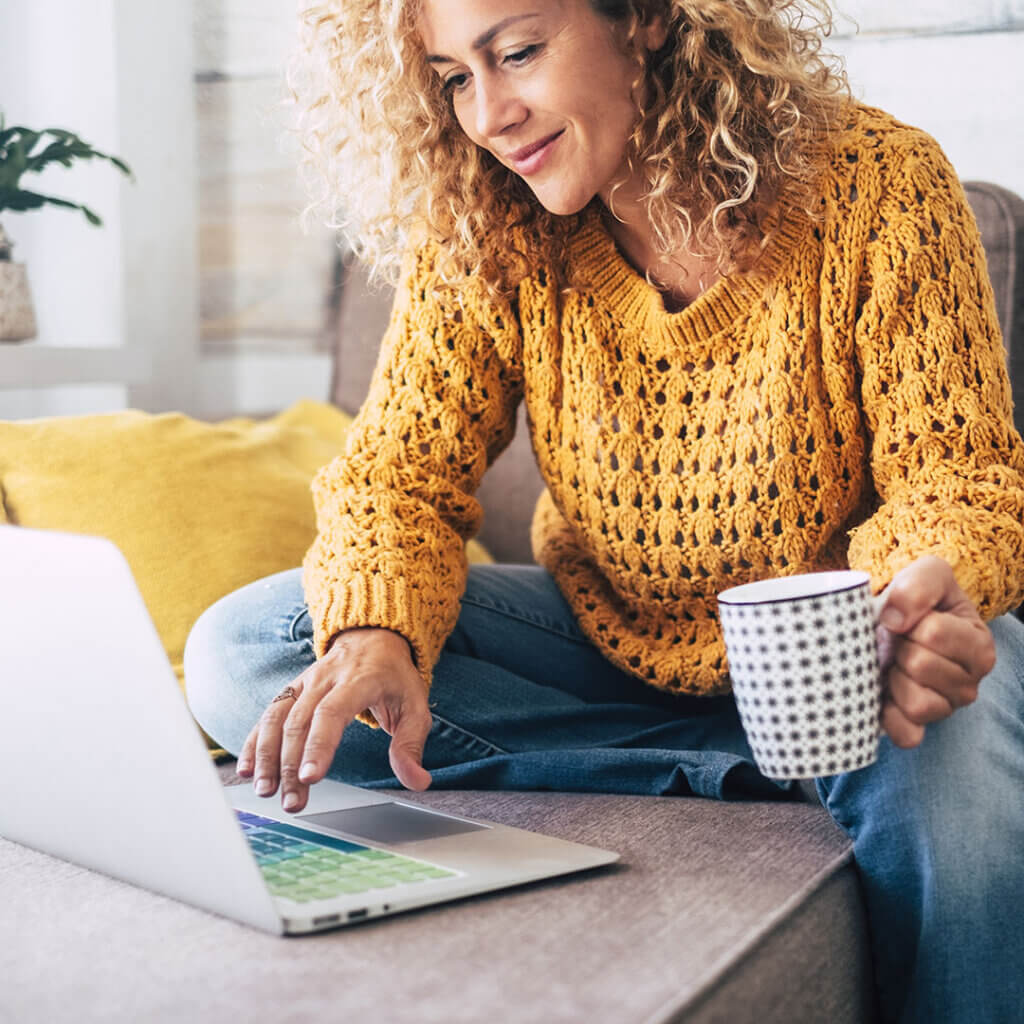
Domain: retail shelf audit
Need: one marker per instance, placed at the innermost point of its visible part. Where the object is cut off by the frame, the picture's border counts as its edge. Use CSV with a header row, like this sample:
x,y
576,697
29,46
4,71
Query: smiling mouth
x,y
529,159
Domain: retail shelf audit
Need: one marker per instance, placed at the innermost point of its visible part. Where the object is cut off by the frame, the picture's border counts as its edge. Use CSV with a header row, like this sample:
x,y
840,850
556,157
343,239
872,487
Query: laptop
x,y
106,768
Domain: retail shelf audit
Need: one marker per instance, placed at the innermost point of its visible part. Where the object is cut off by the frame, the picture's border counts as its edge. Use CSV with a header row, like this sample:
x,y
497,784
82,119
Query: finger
x,y
329,721
406,750
965,642
900,729
925,585
248,752
295,791
268,743
936,672
918,704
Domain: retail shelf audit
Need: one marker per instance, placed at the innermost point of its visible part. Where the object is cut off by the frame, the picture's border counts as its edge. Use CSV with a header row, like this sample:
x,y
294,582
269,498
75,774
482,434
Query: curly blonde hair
x,y
736,100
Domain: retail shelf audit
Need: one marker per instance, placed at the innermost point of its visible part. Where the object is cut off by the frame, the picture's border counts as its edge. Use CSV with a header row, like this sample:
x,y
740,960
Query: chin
x,y
562,204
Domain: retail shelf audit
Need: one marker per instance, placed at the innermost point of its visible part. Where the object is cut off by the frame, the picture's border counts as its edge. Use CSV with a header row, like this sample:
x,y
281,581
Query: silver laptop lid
x,y
93,724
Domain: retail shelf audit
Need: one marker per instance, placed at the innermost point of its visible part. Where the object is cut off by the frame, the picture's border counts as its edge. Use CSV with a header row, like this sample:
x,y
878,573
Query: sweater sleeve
x,y
395,509
947,463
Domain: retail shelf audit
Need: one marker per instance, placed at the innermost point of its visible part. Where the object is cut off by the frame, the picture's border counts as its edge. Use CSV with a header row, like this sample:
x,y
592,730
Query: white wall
x,y
116,305
76,264
66,255
955,69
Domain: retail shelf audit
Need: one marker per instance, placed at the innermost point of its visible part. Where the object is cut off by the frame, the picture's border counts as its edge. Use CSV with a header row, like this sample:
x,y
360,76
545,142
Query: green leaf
x,y
22,200
17,144
20,141
70,147
54,151
12,168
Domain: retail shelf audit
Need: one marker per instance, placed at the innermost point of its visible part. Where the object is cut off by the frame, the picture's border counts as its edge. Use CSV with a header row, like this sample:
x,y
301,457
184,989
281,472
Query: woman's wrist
x,y
356,637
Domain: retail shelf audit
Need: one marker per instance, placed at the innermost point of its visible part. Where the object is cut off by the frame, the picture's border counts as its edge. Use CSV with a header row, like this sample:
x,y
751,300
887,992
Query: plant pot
x,y
17,317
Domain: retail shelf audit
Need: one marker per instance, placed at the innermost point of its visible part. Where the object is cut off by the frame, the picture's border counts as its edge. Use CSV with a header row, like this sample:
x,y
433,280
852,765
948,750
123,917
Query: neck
x,y
680,276
631,223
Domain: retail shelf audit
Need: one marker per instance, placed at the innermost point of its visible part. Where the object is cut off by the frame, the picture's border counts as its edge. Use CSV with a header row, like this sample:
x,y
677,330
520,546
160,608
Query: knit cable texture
x,y
845,403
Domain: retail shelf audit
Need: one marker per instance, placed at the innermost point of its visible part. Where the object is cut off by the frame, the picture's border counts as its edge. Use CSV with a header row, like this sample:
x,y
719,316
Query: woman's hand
x,y
941,649
295,739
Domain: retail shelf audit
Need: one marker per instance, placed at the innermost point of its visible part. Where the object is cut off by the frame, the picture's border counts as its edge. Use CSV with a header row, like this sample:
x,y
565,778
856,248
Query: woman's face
x,y
543,85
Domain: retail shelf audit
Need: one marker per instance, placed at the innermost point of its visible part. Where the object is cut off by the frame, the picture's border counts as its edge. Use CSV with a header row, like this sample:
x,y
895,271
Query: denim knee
x,y
242,650
959,791
937,834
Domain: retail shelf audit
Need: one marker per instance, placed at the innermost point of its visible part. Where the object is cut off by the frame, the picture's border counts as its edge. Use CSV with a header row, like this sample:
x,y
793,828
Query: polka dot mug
x,y
804,663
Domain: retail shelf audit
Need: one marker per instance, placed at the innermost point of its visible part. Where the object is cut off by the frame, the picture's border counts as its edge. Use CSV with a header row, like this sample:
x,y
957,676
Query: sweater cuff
x,y
982,576
374,600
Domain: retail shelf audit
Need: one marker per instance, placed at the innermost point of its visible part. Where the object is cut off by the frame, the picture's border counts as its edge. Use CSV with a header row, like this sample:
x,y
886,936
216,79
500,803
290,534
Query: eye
x,y
455,83
523,55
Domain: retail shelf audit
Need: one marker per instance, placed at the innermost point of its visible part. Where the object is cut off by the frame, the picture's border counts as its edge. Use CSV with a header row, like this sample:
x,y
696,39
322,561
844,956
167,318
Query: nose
x,y
498,107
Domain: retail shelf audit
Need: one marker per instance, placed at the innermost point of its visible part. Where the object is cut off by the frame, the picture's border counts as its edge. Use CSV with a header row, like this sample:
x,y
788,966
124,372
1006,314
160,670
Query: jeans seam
x,y
576,636
304,610
465,732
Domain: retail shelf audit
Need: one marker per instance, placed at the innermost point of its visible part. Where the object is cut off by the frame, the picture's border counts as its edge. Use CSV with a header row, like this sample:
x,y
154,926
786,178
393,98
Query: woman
x,y
751,324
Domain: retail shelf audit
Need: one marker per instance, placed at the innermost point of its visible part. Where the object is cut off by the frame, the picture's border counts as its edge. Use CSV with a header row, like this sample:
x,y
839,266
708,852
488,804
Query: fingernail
x,y
243,765
307,771
290,802
262,787
891,618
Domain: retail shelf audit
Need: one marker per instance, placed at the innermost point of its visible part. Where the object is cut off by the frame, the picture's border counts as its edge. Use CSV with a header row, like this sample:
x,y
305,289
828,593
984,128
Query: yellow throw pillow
x,y
199,509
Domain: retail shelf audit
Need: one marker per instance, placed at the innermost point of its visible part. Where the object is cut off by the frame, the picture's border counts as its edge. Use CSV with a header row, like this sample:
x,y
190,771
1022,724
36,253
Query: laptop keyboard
x,y
305,866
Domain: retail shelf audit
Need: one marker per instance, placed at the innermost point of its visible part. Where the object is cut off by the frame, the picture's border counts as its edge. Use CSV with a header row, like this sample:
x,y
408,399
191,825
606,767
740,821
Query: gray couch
x,y
717,912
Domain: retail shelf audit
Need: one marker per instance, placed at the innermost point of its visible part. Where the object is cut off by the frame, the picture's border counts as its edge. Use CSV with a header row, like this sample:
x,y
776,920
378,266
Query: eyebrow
x,y
485,38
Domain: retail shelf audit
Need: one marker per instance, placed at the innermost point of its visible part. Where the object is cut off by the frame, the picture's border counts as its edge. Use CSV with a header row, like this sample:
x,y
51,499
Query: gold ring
x,y
288,691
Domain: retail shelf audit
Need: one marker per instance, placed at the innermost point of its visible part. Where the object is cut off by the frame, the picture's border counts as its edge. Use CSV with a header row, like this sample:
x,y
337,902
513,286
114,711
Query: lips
x,y
529,159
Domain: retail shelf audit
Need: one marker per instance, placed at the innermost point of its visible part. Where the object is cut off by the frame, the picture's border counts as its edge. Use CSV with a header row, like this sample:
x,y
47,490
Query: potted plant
x,y
23,151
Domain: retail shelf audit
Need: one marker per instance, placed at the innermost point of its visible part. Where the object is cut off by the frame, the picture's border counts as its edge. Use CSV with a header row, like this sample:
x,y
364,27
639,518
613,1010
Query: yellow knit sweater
x,y
844,404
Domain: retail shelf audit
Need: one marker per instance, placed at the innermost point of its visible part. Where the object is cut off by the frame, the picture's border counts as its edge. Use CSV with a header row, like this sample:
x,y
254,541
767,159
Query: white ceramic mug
x,y
804,663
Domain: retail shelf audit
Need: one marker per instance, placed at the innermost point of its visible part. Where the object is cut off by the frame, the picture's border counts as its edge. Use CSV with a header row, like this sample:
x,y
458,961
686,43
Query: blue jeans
x,y
522,700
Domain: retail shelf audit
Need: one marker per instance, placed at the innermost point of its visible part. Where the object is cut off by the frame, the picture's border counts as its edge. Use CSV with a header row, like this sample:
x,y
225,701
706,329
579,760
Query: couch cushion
x,y
727,912
198,509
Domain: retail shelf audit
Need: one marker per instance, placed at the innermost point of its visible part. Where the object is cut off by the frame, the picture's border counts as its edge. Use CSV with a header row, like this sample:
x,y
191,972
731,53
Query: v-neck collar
x,y
598,265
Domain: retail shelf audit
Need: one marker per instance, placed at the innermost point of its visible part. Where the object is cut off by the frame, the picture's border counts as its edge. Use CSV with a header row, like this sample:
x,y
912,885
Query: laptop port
x,y
326,919
354,915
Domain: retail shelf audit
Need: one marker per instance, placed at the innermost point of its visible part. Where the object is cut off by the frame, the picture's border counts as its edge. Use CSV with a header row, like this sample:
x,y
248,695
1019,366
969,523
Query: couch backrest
x,y
511,487
1000,216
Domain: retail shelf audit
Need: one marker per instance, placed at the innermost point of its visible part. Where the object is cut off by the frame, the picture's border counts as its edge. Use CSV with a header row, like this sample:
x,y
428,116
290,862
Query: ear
x,y
654,33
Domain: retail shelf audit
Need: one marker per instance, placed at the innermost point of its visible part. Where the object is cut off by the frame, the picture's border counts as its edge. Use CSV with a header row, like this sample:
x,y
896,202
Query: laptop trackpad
x,y
391,823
